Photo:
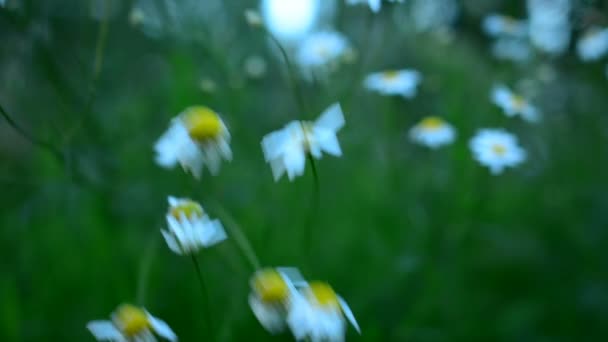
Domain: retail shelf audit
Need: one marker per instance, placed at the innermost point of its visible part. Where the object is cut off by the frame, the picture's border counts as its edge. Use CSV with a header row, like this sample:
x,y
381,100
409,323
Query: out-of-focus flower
x,y
253,18
207,85
255,67
321,51
496,149
318,314
513,104
512,49
431,15
190,228
286,149
272,291
394,82
130,323
136,16
550,25
291,20
374,5
497,25
433,132
196,137
593,45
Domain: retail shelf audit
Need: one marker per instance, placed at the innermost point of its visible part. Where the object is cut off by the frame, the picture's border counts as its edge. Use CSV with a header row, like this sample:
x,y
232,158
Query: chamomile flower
x,y
593,45
433,132
196,137
513,104
497,25
272,290
130,323
318,314
394,82
512,49
321,51
374,5
287,148
496,149
190,228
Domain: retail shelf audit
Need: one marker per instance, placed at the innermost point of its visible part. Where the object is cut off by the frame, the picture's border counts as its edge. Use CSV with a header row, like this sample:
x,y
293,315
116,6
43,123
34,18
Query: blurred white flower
x,y
290,20
433,132
374,5
255,67
429,15
496,149
253,18
130,323
272,290
550,25
593,45
513,104
512,49
394,82
321,51
286,149
190,228
196,137
318,314
497,25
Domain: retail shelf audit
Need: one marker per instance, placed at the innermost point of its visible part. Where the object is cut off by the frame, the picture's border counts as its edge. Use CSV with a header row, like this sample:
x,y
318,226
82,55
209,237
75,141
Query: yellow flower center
x,y
187,208
431,123
131,320
270,286
518,102
390,75
499,149
202,123
324,294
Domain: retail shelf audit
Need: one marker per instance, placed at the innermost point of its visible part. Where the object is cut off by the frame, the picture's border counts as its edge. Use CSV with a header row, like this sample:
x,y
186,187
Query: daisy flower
x,y
513,104
190,229
130,323
321,51
496,149
272,290
512,49
497,25
318,314
433,132
394,82
196,137
374,5
286,149
593,45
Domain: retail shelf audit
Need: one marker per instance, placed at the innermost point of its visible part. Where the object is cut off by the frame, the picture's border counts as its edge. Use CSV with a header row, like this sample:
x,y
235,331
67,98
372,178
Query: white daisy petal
x,y
161,328
105,331
349,314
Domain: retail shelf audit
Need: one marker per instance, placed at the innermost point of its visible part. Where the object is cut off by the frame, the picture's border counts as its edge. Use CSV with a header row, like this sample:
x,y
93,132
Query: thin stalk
x,y
206,302
294,85
144,271
100,46
33,140
239,238
314,210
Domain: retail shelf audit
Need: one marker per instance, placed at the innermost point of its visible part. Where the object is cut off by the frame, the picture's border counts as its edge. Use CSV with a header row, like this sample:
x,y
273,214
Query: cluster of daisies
x,y
548,28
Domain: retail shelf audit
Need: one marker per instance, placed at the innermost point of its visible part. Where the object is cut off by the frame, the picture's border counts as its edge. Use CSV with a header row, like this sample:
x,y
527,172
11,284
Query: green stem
x,y
294,85
33,140
100,46
314,211
144,271
205,292
237,235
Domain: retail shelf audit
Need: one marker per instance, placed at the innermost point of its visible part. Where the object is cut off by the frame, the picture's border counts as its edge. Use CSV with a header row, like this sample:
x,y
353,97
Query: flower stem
x,y
297,92
33,140
314,211
205,293
237,235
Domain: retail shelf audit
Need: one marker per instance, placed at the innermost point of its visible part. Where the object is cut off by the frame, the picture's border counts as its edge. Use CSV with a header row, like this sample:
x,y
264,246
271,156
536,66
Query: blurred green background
x,y
424,245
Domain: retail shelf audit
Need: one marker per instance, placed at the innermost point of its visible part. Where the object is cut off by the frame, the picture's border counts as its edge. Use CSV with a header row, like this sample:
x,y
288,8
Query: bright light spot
x,y
290,19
